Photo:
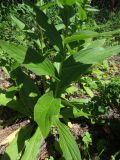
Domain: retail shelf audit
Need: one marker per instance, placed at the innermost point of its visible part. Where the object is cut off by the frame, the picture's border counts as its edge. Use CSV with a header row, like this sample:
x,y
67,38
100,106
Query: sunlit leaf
x,y
82,14
19,23
67,2
45,110
79,63
67,143
85,34
29,58
16,147
33,146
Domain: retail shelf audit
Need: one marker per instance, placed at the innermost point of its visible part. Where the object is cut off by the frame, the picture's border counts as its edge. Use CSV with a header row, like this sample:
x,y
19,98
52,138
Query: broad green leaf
x,y
82,107
89,91
19,23
87,139
47,5
67,2
4,100
92,9
60,27
17,52
13,103
66,13
67,143
81,100
110,33
71,90
82,35
49,28
9,99
95,55
79,63
33,146
45,110
15,148
72,111
29,58
82,14
79,113
70,71
95,43
85,34
28,95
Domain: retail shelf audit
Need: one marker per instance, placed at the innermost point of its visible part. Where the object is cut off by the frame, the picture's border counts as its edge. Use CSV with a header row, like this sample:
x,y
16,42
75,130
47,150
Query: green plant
x,y
58,56
113,157
111,93
87,140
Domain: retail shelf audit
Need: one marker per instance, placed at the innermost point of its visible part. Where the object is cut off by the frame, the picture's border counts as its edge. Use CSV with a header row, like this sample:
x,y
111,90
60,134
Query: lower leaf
x,y
67,143
33,146
14,150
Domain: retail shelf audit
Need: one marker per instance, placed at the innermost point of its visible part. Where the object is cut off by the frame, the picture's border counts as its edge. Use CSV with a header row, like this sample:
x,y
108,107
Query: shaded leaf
x,y
28,95
49,28
70,71
72,111
66,13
